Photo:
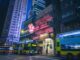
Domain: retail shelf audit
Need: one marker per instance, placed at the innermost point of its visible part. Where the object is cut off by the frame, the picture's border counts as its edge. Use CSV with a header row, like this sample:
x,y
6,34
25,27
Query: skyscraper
x,y
38,6
16,14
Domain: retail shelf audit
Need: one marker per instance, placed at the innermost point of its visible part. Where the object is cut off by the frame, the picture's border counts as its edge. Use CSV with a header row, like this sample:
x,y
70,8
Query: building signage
x,y
44,20
43,23
35,37
31,28
41,27
46,30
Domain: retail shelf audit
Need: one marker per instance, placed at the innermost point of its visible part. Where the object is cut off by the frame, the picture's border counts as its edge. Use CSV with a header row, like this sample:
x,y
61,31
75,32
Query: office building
x,y
38,6
16,14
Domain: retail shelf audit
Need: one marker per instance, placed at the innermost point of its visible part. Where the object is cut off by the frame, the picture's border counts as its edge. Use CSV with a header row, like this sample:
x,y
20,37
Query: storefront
x,y
48,44
43,32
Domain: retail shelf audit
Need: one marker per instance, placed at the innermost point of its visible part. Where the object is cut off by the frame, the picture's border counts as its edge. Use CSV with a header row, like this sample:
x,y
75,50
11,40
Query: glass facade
x,y
38,5
15,16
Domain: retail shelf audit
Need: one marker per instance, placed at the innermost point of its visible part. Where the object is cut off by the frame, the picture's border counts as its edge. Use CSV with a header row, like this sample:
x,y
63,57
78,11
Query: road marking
x,y
30,58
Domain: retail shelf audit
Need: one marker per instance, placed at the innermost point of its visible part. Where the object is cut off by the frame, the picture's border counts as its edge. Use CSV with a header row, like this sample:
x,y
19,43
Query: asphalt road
x,y
24,57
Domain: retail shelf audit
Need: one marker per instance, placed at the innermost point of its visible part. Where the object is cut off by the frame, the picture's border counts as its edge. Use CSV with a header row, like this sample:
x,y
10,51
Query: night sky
x,y
3,11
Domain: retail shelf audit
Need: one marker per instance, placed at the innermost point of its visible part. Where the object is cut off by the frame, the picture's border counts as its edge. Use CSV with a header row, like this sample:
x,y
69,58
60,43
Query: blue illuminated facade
x,y
70,40
29,6
15,17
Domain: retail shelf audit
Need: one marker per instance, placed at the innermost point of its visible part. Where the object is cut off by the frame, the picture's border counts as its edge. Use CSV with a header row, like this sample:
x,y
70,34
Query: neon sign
x,y
44,20
39,27
31,28
42,27
46,30
35,37
42,23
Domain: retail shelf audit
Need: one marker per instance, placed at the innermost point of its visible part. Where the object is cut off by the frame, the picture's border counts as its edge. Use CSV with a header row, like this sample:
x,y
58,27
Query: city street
x,y
24,57
39,29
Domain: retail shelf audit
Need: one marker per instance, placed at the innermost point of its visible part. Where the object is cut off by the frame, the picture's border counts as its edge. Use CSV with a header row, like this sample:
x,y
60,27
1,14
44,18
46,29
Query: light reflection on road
x,y
25,57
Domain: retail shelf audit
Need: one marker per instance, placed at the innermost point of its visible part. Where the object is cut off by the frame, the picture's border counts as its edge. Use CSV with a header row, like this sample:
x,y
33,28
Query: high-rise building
x,y
38,6
70,15
41,4
16,14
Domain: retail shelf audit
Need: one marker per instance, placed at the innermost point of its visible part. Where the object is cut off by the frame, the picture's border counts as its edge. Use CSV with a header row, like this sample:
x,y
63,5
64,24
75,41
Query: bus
x,y
68,43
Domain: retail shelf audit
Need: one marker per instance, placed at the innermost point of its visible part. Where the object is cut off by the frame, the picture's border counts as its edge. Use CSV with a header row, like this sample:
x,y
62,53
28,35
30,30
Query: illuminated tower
x,y
15,16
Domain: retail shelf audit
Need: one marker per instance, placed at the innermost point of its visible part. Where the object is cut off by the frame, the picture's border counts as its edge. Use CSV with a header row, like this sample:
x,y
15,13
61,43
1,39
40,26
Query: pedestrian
x,y
40,50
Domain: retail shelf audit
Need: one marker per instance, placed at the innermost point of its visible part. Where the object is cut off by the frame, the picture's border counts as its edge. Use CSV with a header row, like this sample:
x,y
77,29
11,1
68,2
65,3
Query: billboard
x,y
70,41
31,28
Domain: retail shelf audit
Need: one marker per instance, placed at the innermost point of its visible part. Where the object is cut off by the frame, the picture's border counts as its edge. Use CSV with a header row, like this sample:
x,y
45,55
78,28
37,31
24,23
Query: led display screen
x,y
70,41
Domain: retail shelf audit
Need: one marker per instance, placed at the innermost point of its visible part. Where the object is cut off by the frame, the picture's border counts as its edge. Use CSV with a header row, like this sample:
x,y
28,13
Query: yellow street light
x,y
22,31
